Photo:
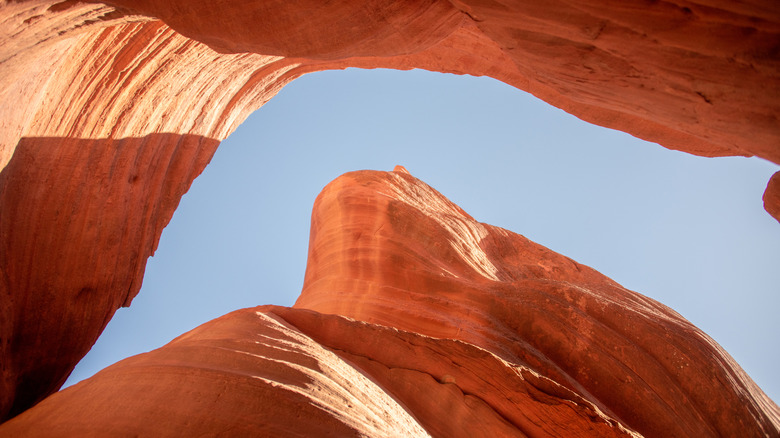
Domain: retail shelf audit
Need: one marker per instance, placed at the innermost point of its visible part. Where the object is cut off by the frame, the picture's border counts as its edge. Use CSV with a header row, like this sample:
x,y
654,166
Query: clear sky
x,y
688,231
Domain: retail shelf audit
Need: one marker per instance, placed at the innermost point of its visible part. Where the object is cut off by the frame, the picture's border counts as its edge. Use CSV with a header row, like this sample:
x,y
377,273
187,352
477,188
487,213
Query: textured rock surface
x,y
115,108
474,330
387,249
246,374
96,173
681,73
772,196
68,247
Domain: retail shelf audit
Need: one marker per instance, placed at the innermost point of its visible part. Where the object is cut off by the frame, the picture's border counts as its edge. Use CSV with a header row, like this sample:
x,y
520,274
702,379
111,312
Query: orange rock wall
x,y
109,111
387,249
95,175
684,74
259,372
248,373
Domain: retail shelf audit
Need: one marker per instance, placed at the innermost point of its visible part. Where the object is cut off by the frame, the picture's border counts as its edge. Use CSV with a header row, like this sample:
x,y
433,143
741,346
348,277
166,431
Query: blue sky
x,y
688,231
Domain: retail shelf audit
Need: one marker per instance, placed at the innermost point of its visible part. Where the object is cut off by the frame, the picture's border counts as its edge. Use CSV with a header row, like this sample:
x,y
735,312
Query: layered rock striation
x,y
387,249
110,110
417,320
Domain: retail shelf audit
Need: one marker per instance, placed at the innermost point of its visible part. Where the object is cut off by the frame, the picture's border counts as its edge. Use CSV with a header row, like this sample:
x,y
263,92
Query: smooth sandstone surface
x,y
386,248
772,196
109,111
255,373
415,319
248,373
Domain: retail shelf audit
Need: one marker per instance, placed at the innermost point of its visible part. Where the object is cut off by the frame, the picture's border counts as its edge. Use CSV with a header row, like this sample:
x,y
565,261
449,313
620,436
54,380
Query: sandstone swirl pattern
x,y
109,111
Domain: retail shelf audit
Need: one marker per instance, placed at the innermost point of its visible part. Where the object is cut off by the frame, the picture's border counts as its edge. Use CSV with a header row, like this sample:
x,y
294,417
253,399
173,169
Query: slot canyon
x,y
414,319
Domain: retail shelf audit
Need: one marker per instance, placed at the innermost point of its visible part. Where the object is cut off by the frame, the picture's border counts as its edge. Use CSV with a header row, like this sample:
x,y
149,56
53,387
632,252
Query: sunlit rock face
x,y
417,320
110,110
385,248
248,373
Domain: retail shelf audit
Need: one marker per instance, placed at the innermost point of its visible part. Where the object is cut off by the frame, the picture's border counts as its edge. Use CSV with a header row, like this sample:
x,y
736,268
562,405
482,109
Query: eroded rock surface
x,y
248,373
416,319
387,249
125,102
772,196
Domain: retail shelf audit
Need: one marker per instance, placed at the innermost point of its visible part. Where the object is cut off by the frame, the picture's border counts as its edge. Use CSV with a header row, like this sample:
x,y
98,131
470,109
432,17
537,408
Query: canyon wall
x,y
109,111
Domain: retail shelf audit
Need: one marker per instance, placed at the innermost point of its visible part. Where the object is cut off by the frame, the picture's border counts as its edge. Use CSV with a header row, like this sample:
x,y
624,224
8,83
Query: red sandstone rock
x,y
83,200
772,196
450,327
248,373
48,207
684,74
143,79
387,249
254,372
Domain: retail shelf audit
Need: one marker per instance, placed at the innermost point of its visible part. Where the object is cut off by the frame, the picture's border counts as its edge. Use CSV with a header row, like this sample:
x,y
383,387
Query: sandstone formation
x,y
415,319
109,110
248,373
772,196
684,74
